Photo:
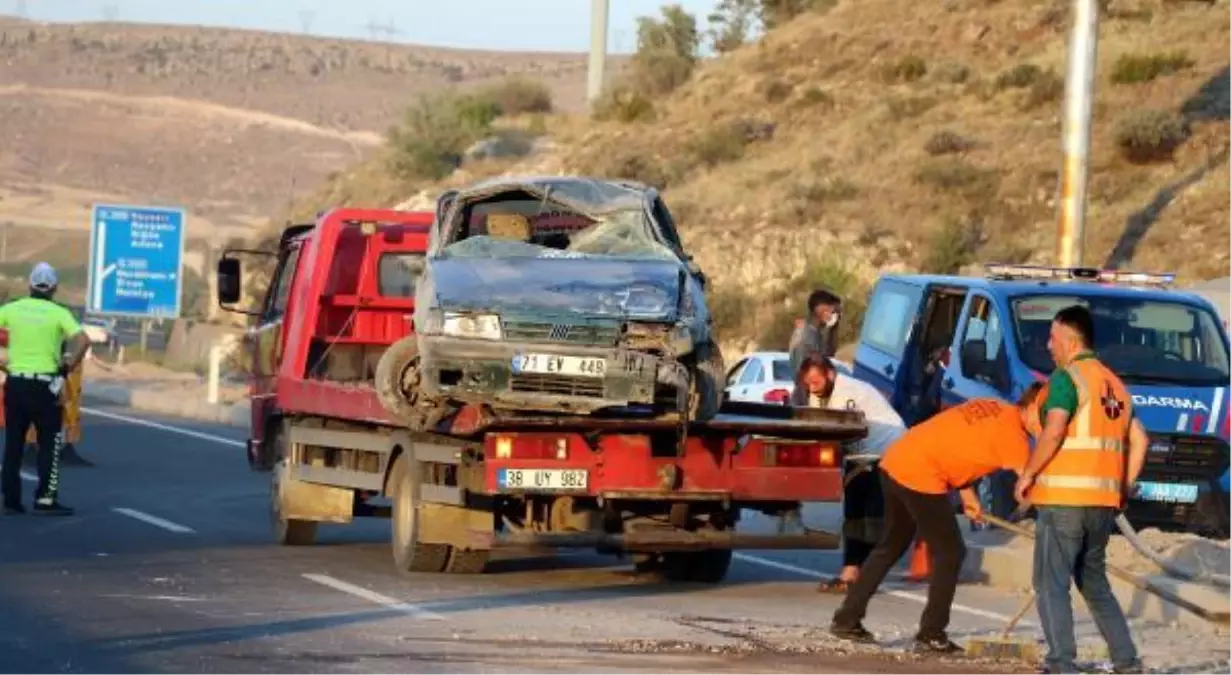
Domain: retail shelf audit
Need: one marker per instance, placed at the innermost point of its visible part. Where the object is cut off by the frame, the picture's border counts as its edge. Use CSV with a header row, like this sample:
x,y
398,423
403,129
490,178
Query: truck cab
x,y
930,342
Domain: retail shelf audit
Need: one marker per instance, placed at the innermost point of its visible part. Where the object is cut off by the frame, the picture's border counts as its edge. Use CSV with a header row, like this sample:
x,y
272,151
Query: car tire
x,y
707,383
397,380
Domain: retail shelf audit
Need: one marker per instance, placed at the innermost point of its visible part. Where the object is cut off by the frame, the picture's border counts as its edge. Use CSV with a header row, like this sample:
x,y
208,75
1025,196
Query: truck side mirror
x,y
229,291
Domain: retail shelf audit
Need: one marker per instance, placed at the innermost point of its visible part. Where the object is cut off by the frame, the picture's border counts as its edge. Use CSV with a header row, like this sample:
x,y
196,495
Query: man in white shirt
x,y
820,385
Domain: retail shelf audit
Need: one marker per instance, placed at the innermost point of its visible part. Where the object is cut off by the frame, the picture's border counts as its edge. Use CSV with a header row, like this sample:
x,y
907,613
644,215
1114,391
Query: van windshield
x,y
1143,341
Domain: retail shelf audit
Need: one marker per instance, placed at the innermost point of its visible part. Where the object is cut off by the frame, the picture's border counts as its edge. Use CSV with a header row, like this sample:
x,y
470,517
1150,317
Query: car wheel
x,y
397,382
707,379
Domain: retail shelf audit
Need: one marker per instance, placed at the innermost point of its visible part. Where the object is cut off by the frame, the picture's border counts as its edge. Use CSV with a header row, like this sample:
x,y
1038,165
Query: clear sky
x,y
547,25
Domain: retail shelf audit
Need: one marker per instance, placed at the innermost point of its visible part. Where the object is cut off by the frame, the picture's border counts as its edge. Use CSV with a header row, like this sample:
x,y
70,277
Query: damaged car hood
x,y
644,290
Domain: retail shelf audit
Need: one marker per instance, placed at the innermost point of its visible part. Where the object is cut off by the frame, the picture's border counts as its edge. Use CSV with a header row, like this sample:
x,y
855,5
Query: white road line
x,y
26,475
154,520
905,595
372,596
164,427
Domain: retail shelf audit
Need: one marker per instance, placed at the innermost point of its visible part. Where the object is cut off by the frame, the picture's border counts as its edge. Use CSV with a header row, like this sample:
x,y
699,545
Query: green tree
x,y
732,23
774,13
666,50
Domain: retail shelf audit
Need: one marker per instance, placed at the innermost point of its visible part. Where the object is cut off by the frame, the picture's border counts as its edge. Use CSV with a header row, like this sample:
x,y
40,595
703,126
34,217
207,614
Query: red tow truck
x,y
669,496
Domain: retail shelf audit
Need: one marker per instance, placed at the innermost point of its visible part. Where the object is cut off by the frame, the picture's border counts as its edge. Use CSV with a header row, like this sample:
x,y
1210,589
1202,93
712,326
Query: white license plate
x,y
552,364
543,479
1175,493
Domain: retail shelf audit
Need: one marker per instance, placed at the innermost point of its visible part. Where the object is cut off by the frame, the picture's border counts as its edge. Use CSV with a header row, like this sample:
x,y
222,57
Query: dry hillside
x,y
231,124
887,134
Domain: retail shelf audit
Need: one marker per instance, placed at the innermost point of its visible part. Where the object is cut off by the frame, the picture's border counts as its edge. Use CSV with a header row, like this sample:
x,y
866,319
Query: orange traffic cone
x,y
920,568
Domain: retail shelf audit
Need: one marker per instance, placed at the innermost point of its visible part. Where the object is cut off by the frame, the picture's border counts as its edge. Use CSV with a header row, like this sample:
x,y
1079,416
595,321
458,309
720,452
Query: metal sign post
x,y
136,262
1078,108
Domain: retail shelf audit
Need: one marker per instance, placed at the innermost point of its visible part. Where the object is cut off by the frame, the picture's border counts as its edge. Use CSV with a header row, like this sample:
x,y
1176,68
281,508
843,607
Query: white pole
x,y
599,10
1078,106
215,368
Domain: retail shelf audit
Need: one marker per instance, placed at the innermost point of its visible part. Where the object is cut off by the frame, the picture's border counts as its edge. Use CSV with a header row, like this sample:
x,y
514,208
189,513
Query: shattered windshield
x,y
594,220
1143,341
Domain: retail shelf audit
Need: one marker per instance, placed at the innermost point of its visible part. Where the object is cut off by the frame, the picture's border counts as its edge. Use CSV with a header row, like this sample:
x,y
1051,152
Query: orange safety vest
x,y
1088,470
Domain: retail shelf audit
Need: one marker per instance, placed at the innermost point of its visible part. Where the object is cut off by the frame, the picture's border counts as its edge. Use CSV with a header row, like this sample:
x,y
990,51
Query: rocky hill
x,y
231,124
882,134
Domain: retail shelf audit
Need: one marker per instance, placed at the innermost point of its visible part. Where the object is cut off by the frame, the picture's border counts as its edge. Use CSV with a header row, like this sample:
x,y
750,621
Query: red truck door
x,y
266,339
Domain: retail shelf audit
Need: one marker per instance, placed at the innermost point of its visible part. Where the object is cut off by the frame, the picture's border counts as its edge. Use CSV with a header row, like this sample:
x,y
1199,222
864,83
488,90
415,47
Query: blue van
x,y
928,342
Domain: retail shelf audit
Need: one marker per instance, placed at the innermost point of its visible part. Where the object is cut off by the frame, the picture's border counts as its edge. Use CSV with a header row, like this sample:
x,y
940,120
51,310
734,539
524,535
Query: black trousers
x,y
863,512
26,402
906,512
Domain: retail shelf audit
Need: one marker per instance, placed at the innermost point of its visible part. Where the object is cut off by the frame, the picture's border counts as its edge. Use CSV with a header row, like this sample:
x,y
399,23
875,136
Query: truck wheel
x,y
707,378
397,382
287,531
467,562
705,567
408,554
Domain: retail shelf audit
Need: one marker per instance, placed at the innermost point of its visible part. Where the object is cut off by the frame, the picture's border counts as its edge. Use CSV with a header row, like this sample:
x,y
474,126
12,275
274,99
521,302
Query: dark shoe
x,y
856,633
937,645
51,509
1135,668
14,509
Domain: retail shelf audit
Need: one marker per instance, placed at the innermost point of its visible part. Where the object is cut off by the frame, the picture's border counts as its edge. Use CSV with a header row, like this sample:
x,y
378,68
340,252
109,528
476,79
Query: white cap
x,y
43,277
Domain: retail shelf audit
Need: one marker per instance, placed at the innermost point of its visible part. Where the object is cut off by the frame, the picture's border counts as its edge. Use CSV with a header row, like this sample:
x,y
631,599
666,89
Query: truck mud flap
x,y
667,540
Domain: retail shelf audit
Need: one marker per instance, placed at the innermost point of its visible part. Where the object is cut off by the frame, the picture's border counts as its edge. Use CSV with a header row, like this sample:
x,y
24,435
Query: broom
x,y
1003,646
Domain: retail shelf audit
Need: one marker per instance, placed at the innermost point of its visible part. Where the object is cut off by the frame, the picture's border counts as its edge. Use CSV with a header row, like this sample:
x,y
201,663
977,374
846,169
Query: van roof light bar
x,y
1003,272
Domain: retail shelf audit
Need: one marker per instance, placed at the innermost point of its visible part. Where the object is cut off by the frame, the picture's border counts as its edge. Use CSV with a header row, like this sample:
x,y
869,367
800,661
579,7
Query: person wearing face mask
x,y
819,334
820,385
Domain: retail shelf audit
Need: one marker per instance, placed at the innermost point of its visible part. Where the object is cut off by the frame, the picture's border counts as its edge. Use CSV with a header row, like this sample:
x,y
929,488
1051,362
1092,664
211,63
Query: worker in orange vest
x,y
1077,479
950,451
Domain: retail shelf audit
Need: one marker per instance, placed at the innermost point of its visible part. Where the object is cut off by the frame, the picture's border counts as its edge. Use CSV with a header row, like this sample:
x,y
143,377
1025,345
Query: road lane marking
x,y
164,427
26,475
153,520
373,596
905,595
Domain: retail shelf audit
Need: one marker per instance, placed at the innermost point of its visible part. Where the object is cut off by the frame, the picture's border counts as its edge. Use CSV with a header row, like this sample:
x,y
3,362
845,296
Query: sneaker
x,y
1137,667
49,508
937,645
856,633
14,509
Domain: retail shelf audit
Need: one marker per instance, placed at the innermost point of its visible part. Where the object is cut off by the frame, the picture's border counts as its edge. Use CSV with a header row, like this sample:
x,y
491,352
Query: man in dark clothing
x,y
819,334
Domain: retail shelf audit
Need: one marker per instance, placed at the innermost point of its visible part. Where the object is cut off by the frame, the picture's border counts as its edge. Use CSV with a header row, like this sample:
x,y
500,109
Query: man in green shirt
x,y
37,330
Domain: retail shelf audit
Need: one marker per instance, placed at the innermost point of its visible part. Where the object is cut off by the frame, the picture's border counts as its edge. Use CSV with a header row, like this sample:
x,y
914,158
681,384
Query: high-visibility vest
x,y
1088,470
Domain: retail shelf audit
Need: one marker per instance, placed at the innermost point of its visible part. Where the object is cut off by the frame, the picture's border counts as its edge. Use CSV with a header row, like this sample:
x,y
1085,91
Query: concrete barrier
x,y
1011,567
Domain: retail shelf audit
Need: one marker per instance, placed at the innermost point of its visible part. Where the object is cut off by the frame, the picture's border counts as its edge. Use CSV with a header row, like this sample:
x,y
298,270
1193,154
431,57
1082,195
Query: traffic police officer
x,y
38,329
1077,479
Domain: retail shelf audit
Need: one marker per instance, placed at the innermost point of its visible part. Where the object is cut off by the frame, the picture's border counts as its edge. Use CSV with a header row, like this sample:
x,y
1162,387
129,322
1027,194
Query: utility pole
x,y
1078,109
599,10
306,16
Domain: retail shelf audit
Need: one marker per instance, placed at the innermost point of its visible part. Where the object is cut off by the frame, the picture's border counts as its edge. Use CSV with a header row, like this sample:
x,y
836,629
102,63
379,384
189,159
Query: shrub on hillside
x,y
519,95
906,69
947,142
815,96
622,103
1135,68
435,131
1048,86
666,50
952,174
1018,77
732,308
950,247
719,144
1146,135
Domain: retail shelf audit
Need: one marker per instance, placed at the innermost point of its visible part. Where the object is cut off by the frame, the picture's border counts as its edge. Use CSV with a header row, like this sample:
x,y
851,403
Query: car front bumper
x,y
482,371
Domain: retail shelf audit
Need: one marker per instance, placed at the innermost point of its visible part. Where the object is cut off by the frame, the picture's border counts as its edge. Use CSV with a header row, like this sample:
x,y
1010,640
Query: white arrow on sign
x,y
101,272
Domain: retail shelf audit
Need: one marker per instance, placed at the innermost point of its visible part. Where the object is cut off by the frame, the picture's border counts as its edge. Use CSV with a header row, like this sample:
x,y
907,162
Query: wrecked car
x,y
556,294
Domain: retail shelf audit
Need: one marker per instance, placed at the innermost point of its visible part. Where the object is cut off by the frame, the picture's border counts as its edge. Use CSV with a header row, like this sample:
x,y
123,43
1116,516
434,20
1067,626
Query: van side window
x,y
890,317
281,292
982,345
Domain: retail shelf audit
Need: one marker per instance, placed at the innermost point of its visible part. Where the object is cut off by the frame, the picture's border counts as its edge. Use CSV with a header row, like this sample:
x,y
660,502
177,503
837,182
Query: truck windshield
x,y
1143,341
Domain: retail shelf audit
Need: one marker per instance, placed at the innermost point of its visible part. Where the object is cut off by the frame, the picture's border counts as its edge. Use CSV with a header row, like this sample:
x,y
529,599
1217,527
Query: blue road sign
x,y
136,261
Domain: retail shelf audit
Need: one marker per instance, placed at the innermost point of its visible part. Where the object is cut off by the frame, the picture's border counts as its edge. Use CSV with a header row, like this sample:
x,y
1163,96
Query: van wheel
x,y
287,531
397,382
705,393
704,567
409,555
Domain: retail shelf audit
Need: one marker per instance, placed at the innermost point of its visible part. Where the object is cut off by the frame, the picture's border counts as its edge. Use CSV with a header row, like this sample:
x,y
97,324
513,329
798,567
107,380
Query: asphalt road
x,y
168,566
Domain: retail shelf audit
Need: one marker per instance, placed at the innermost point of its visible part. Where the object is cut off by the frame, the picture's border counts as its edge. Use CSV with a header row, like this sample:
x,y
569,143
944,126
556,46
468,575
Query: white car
x,y
766,377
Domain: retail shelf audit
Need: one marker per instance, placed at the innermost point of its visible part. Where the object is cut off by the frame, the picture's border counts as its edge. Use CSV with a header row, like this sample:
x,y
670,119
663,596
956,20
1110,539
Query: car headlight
x,y
481,326
644,300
